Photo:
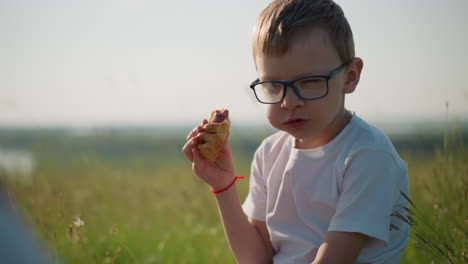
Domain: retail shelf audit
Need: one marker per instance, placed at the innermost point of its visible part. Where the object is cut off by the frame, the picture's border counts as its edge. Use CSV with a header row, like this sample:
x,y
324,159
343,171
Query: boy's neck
x,y
328,134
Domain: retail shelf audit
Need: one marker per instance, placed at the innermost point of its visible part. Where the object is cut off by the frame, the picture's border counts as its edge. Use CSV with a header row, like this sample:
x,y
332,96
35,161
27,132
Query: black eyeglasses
x,y
307,88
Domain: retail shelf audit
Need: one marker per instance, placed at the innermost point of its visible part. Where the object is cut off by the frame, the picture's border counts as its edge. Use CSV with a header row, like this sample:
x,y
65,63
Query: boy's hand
x,y
218,174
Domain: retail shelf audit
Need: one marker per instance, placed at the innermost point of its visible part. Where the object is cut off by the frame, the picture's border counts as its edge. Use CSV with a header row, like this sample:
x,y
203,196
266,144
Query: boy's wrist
x,y
233,182
229,194
224,184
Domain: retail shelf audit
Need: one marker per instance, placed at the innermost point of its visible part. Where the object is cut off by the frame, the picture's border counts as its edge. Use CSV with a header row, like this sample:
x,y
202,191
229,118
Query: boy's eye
x,y
312,87
272,87
311,83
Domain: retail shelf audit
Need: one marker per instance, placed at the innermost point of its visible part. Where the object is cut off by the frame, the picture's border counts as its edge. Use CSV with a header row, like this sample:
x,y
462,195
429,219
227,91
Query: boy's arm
x,y
340,247
262,229
248,239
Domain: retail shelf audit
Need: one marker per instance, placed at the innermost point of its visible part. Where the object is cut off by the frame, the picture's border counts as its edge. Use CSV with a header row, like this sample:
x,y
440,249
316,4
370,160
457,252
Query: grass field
x,y
124,198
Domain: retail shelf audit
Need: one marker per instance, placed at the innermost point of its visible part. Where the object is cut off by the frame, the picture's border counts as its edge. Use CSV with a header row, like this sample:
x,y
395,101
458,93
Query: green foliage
x,y
438,204
141,203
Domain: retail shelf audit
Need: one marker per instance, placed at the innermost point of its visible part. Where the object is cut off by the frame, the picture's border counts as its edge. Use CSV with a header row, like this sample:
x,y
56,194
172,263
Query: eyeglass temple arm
x,y
254,82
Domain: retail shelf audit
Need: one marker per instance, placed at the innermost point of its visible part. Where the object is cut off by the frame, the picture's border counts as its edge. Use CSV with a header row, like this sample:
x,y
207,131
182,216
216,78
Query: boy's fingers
x,y
195,156
197,160
193,132
187,148
197,130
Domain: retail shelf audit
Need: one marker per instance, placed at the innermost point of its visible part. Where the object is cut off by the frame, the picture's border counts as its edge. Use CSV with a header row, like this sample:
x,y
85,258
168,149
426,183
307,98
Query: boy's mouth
x,y
295,122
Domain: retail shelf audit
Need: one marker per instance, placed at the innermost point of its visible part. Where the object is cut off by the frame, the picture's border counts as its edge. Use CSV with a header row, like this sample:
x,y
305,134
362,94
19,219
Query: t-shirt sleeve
x,y
370,187
254,205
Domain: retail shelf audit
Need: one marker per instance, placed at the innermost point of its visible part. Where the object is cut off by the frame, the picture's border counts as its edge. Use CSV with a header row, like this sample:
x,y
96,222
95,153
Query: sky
x,y
152,62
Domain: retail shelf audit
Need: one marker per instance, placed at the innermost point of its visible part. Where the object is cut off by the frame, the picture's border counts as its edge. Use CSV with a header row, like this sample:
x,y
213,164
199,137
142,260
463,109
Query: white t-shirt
x,y
351,184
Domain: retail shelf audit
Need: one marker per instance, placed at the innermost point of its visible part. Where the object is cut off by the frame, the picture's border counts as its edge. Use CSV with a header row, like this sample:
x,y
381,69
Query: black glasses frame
x,y
294,87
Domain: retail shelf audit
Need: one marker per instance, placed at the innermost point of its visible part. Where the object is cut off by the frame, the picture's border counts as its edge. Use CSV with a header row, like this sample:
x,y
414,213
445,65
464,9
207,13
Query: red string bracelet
x,y
229,186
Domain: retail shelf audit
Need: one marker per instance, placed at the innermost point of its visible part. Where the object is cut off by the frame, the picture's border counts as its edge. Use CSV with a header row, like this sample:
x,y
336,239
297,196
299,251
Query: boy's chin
x,y
308,142
302,134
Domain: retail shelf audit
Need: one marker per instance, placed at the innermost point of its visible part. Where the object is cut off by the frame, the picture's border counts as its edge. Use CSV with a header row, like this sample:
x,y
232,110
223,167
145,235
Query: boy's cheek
x,y
269,112
273,115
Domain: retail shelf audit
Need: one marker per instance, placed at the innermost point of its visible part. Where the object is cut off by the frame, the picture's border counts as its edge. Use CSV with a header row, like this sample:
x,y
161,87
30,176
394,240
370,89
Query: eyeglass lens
x,y
308,88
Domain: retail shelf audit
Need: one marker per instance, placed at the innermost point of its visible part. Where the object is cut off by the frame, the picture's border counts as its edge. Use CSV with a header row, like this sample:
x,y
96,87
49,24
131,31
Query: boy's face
x,y
307,120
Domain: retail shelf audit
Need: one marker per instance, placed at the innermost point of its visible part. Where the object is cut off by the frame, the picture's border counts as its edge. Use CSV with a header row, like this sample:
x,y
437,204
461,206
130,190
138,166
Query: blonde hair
x,y
283,20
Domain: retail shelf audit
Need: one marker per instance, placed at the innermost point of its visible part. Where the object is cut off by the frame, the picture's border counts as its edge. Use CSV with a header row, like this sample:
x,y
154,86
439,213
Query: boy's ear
x,y
353,75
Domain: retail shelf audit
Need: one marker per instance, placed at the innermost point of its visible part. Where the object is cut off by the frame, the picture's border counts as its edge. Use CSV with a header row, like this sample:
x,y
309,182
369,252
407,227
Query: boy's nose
x,y
291,100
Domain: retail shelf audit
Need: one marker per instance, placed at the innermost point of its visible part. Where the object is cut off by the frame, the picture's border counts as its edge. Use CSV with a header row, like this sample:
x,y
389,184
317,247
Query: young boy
x,y
323,189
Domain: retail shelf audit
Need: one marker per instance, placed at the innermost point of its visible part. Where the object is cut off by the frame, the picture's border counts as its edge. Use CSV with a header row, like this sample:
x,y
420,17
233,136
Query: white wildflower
x,y
78,222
